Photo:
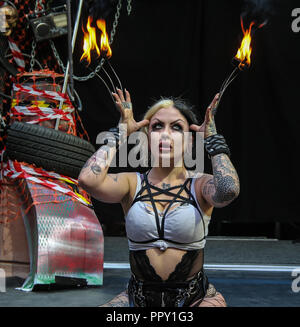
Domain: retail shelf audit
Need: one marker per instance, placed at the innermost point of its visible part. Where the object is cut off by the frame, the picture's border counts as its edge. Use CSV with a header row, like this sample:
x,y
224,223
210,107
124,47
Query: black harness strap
x,y
164,217
145,196
163,191
163,239
153,205
176,198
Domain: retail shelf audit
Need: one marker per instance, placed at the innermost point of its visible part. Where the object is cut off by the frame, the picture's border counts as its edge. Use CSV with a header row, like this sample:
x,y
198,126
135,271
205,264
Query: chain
x,y
129,8
32,57
77,78
38,5
92,74
187,292
56,55
98,68
116,22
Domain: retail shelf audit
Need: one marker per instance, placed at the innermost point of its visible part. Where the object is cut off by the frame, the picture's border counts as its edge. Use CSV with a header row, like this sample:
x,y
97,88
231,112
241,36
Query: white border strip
x,y
262,268
251,239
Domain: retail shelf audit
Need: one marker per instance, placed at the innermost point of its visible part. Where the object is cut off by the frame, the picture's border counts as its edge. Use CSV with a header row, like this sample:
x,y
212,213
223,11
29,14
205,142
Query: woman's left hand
x,y
124,105
208,127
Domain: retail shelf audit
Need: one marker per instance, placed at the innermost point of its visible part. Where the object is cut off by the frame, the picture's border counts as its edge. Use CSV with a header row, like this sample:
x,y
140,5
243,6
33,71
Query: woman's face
x,y
167,136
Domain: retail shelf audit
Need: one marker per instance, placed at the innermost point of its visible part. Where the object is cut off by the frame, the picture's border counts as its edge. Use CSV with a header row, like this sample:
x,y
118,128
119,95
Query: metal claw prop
x,y
104,52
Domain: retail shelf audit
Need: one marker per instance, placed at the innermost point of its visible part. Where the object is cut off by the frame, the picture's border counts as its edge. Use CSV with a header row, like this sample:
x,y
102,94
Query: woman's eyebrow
x,y
157,120
177,121
174,122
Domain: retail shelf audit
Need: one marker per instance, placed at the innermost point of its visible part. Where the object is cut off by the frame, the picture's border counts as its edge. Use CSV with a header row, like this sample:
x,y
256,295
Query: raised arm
x,y
110,188
221,188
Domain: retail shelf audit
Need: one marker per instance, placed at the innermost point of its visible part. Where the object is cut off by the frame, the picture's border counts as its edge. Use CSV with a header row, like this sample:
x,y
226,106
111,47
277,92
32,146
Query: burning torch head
x,y
90,41
241,64
242,59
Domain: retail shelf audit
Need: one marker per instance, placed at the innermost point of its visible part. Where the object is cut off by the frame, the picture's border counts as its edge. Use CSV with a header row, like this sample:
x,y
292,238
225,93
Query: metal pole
x,y
70,52
68,65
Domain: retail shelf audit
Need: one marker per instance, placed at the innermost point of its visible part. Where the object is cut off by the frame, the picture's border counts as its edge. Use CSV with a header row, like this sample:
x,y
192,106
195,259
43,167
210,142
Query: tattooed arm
x,y
110,188
221,188
94,177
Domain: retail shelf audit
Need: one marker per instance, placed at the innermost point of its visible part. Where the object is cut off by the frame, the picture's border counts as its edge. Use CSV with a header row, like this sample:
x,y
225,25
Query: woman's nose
x,y
167,130
166,133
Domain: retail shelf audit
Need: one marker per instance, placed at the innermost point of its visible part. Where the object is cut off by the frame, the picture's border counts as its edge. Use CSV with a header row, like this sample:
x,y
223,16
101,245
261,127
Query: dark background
x,y
184,48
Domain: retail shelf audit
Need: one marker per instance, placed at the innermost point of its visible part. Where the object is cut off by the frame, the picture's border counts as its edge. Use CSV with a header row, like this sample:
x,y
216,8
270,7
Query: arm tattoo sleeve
x,y
224,186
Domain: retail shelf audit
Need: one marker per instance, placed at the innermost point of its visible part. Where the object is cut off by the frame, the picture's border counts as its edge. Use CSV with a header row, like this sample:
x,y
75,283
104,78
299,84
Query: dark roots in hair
x,y
185,108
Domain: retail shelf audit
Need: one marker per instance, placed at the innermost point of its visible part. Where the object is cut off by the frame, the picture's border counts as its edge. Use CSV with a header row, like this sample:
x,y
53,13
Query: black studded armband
x,y
216,144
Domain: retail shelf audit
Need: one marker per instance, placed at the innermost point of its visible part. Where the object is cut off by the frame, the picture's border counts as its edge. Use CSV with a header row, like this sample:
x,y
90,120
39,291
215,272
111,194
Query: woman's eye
x,y
156,126
177,127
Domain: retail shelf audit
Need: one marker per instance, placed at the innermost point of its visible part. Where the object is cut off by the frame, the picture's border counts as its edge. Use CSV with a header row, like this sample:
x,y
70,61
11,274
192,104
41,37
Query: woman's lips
x,y
165,146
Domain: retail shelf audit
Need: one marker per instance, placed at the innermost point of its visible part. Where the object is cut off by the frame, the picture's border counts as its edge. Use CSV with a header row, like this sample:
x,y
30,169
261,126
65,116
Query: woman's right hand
x,y
209,125
124,105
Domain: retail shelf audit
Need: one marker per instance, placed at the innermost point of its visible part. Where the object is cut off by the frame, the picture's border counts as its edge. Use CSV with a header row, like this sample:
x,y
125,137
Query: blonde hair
x,y
163,103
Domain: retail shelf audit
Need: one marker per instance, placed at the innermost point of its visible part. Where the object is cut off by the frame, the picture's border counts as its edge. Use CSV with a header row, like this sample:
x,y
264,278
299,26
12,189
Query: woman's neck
x,y
168,174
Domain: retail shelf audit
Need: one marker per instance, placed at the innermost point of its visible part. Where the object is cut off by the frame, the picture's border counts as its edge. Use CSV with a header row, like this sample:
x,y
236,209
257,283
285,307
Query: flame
x,y
104,43
89,41
245,50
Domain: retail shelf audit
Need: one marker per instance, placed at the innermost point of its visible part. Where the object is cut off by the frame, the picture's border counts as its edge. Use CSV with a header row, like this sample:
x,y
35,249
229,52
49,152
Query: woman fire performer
x,y
167,211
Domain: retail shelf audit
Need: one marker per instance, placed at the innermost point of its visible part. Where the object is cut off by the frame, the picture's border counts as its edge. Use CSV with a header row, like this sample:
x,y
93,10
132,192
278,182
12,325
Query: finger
x,y
143,123
216,104
116,96
198,128
210,110
118,102
121,95
195,127
119,106
214,101
210,115
202,127
217,96
207,114
128,98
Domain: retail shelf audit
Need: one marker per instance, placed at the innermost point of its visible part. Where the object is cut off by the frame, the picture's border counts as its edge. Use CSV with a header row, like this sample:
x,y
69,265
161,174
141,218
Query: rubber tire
x,y
48,148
